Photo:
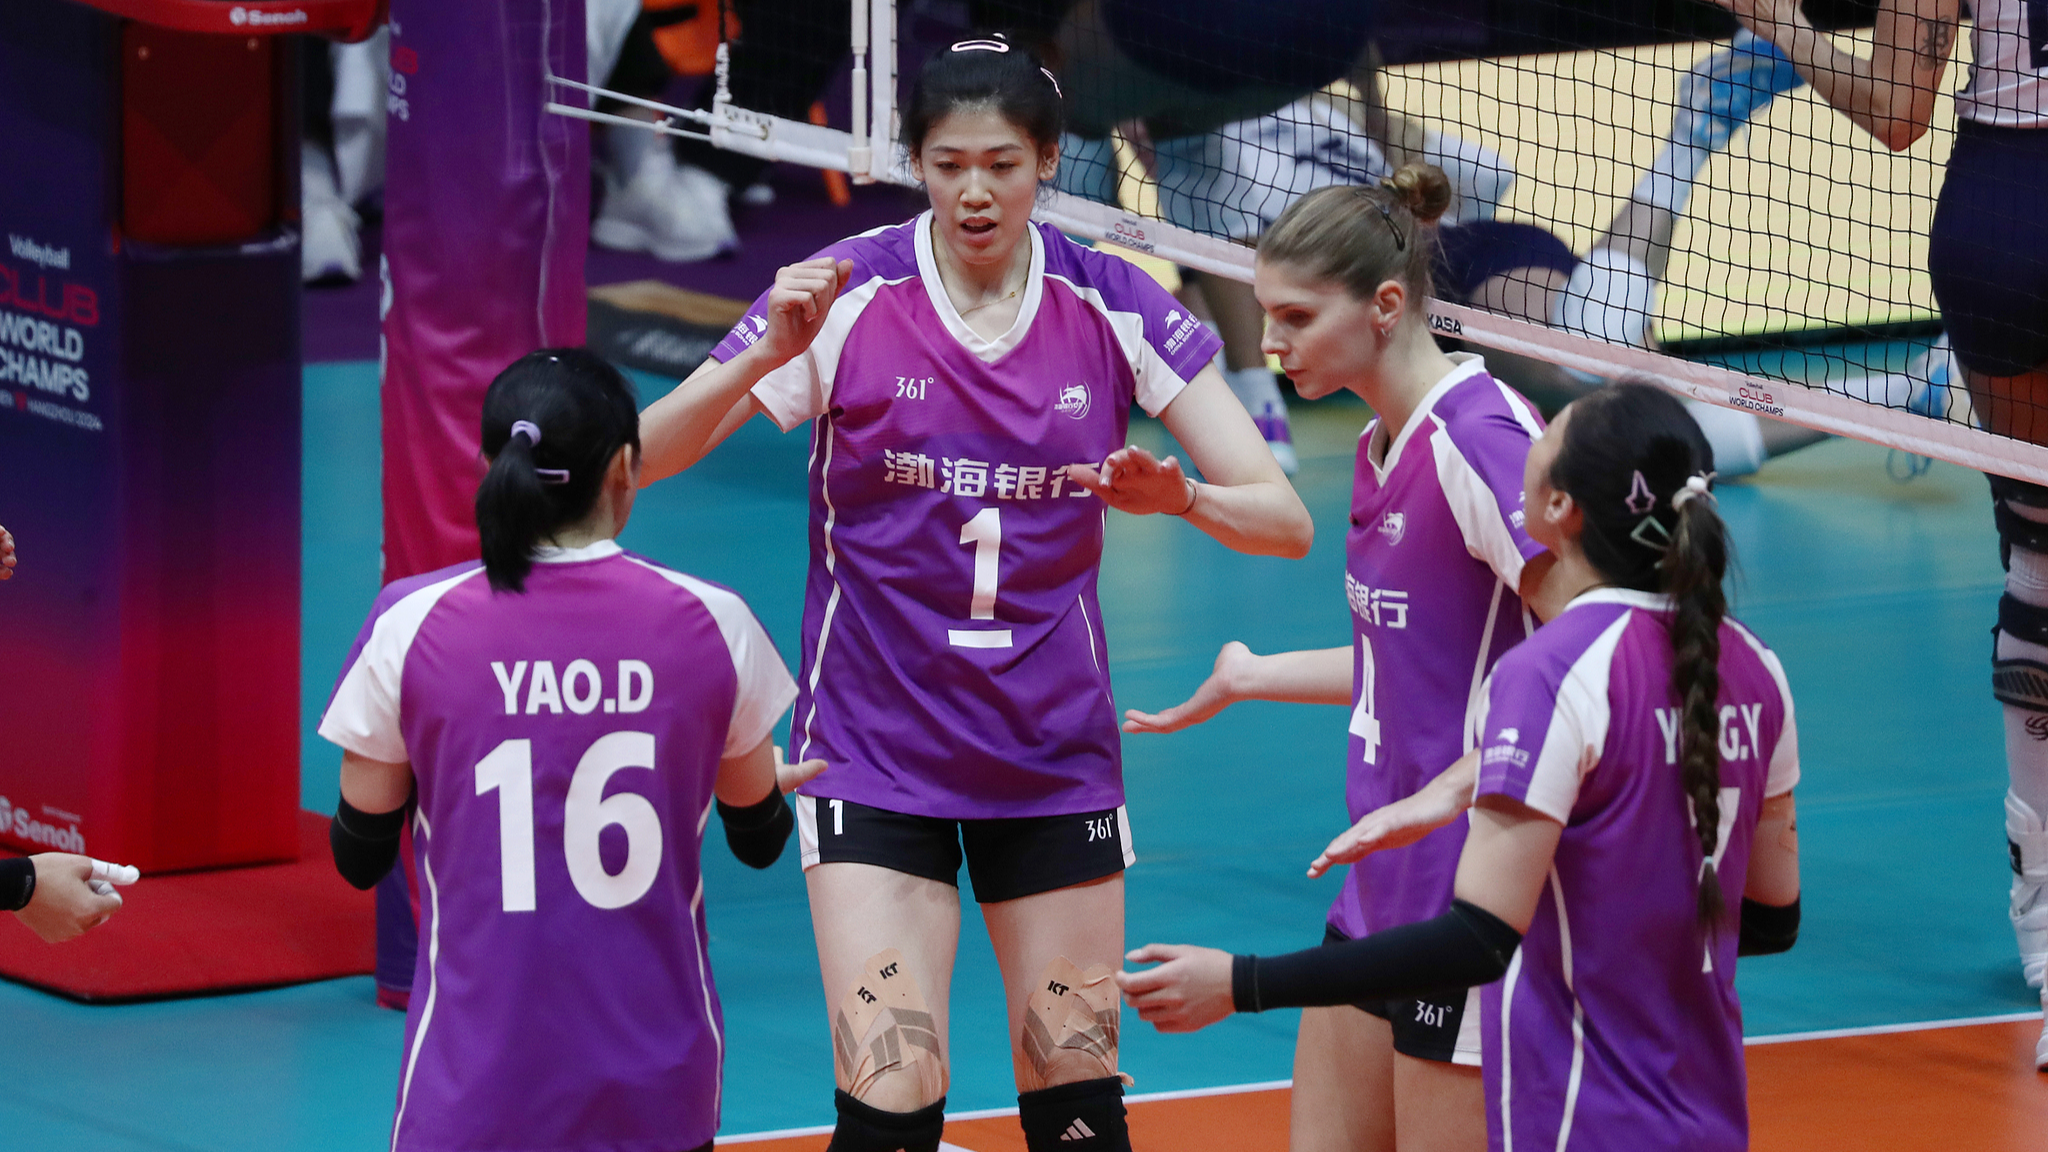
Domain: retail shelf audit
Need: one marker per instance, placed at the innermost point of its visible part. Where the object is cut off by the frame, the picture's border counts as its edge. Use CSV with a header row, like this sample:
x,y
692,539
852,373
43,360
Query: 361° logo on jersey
x,y
1073,401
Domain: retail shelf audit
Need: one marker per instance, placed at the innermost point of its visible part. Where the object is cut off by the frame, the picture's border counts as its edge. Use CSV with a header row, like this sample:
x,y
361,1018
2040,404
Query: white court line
x,y
1888,1029
1270,1085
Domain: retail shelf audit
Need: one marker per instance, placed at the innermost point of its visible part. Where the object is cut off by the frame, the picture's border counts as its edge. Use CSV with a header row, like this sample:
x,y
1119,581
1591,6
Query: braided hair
x,y
1640,471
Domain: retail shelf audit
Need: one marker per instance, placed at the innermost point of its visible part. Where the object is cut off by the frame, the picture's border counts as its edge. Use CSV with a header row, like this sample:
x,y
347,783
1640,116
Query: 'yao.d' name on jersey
x,y
564,742
953,661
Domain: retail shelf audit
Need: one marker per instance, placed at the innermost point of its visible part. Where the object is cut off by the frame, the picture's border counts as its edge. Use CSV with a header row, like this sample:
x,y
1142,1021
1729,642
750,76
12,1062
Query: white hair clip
x,y
1047,72
980,46
1695,485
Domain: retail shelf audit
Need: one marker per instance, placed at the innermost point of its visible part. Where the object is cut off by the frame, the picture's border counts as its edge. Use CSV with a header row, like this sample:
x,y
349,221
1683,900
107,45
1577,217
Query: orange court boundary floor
x,y
1949,1084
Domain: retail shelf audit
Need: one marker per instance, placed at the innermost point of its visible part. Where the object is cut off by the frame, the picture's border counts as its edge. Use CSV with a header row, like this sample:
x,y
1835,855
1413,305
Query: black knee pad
x,y
865,1129
2015,530
1087,1116
2018,681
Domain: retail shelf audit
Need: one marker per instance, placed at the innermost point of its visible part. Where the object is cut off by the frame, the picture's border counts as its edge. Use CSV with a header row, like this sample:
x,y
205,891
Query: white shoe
x,y
676,211
1259,392
329,249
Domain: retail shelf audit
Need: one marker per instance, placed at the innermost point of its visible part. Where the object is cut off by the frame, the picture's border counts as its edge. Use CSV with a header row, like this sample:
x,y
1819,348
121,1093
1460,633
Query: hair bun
x,y
1423,189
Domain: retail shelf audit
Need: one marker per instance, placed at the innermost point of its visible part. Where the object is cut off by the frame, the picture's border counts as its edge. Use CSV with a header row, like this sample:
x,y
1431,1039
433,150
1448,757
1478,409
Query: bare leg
x,y
1084,923
1643,233
1237,315
1343,1098
1438,1107
2015,406
858,910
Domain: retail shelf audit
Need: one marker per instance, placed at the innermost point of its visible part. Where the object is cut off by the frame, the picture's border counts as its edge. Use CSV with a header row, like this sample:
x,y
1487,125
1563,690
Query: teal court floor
x,y
1879,596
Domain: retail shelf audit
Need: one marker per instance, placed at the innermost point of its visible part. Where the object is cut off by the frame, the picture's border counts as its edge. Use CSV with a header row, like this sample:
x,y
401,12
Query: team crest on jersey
x,y
1393,526
1073,401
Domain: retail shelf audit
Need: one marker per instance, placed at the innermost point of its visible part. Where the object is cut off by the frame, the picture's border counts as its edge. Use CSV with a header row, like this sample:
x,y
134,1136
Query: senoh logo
x,y
20,823
259,18
1073,401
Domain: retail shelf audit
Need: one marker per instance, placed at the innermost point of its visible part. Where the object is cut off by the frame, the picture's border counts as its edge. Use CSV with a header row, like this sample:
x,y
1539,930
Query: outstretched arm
x,y
1246,502
1890,94
679,429
1318,676
1406,820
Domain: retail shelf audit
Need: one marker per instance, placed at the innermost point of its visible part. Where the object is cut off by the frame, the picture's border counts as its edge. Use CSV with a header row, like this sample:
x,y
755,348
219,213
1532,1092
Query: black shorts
x,y
1442,1028
1470,254
1987,251
1006,858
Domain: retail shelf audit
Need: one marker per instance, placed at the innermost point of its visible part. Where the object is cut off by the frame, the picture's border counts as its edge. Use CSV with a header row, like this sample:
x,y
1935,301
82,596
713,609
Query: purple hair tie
x,y
531,429
552,475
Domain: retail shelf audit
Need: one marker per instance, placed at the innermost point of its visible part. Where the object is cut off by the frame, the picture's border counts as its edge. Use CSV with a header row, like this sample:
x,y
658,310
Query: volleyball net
x,y
1652,196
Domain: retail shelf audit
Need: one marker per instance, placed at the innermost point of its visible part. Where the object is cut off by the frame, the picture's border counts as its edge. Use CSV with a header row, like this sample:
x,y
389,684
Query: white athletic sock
x,y
2026,764
1479,175
1258,390
1891,389
1737,438
1609,296
1668,183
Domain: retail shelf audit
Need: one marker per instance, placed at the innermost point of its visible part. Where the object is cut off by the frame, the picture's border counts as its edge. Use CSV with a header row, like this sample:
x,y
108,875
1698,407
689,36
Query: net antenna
x,y
1573,119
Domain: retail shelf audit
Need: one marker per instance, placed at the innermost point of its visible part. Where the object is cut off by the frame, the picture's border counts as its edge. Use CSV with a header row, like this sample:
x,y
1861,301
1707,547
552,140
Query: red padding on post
x,y
198,136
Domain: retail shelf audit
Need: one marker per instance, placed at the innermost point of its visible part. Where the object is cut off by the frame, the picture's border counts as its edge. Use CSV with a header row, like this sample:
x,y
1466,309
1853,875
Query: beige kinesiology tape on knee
x,y
1070,1026
884,1025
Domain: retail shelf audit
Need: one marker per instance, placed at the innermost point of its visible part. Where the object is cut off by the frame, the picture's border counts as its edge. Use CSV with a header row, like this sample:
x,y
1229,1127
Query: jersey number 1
x,y
985,532
508,770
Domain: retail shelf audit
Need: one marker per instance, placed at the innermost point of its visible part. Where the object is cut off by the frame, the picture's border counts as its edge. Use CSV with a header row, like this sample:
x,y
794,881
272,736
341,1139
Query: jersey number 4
x,y
508,771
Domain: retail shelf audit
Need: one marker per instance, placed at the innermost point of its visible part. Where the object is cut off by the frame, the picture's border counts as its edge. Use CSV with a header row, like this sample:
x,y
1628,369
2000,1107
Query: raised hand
x,y
797,305
1135,481
1215,694
1190,989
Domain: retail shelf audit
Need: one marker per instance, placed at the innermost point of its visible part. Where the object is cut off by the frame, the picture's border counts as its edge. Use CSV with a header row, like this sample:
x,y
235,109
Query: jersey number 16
x,y
508,770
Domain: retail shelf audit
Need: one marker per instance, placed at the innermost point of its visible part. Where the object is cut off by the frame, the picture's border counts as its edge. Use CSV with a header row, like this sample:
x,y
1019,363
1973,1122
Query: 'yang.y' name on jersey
x,y
953,661
564,741
1616,986
1433,561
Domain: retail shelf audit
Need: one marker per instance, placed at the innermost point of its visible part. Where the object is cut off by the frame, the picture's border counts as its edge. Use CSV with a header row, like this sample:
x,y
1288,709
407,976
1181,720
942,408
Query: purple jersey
x,y
953,659
1617,1024
564,742
1432,564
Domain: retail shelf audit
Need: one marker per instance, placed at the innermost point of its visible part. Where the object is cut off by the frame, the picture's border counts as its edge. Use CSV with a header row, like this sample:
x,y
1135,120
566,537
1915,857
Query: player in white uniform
x,y
1437,564
1988,258
968,377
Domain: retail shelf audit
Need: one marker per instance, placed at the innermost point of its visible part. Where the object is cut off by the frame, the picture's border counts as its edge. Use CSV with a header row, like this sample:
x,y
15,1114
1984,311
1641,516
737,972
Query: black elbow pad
x,y
757,832
365,844
1767,929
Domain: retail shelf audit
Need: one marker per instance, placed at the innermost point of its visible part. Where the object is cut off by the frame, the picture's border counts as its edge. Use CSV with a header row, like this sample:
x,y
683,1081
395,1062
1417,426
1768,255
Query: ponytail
x,y
1640,472
552,423
1692,568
